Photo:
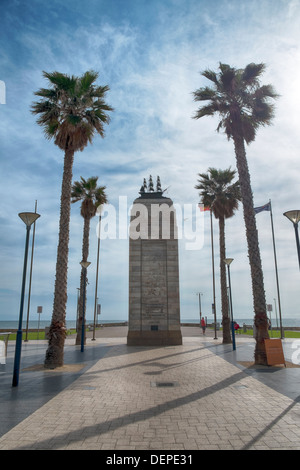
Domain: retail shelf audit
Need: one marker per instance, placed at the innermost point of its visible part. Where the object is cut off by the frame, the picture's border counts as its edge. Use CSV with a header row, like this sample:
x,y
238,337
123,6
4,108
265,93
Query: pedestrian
x,y
203,325
269,324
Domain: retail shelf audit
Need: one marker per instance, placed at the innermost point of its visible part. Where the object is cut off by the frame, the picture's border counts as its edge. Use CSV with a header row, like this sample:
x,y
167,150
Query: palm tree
x,y
243,105
92,196
71,112
222,197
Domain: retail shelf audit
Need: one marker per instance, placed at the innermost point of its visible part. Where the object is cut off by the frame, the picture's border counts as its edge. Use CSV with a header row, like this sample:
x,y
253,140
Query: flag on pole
x,y
203,208
266,207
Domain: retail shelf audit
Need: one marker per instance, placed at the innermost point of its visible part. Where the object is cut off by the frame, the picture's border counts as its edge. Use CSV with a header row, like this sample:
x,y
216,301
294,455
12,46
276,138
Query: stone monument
x,y
154,309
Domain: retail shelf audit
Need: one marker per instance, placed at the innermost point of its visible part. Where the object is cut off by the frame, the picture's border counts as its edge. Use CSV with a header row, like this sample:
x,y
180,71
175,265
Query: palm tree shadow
x,y
154,411
271,425
138,416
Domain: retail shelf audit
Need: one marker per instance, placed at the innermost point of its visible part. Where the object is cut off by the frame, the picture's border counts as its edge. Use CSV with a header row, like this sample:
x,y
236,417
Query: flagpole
x,y
276,271
213,273
30,278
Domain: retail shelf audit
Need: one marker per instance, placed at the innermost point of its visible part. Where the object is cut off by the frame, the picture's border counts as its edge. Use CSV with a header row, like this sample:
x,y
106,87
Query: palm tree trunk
x,y
224,297
57,332
85,255
259,300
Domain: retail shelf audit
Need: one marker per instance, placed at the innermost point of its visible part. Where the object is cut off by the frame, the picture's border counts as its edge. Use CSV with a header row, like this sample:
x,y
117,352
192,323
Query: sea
x,y
34,324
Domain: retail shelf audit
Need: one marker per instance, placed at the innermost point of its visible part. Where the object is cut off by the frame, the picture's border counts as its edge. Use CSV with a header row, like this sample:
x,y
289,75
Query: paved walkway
x,y
201,395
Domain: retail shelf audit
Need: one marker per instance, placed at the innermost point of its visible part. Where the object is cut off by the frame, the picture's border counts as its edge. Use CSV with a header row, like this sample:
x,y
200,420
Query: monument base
x,y
154,338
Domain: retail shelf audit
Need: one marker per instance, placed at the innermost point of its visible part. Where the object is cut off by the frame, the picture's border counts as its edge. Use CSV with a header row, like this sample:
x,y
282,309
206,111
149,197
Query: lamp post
x,y
99,210
30,277
294,217
28,218
85,265
228,262
77,308
213,274
199,295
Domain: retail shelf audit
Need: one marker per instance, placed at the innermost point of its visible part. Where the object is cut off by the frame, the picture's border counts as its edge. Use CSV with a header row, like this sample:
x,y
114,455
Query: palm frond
x,y
265,91
208,110
86,82
61,81
74,120
210,75
204,94
227,77
218,192
239,100
72,110
91,195
49,93
252,72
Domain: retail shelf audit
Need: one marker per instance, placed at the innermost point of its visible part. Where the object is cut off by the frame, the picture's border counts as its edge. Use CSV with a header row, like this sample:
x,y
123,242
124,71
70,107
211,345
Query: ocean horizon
x,y
33,324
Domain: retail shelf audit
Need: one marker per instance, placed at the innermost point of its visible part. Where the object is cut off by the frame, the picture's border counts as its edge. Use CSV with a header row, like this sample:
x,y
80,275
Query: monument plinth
x,y
154,308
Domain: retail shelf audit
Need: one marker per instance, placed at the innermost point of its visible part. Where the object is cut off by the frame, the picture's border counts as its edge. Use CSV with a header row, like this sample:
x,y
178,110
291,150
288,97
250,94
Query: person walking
x,y
203,325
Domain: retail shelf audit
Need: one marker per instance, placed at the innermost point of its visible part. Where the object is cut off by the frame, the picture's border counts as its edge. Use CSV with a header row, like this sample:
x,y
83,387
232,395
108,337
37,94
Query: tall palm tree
x,y
92,196
71,112
243,105
222,196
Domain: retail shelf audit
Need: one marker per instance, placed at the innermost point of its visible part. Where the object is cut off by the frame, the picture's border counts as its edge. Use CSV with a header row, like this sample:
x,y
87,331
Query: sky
x,y
151,54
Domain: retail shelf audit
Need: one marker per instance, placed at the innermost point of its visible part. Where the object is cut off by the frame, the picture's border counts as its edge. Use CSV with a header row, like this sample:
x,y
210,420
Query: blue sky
x,y
151,54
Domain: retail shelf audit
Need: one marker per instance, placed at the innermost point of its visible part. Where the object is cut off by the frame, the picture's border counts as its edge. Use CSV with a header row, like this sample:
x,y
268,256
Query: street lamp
x,y
85,265
99,211
28,218
199,295
294,217
30,277
228,262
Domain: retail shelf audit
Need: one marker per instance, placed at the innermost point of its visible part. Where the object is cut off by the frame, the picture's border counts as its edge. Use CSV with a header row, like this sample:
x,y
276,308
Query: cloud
x,y
152,61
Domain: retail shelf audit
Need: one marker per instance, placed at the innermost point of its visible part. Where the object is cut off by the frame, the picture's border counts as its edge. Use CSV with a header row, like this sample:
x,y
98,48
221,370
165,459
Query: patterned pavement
x,y
113,397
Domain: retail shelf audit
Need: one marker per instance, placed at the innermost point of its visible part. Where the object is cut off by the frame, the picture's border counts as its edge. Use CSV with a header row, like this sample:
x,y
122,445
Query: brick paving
x,y
184,397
